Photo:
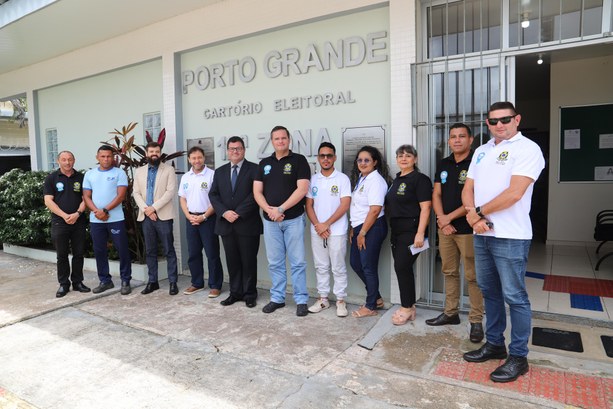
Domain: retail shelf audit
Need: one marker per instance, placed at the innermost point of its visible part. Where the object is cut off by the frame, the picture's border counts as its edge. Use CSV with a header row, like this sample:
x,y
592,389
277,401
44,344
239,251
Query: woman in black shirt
x,y
407,205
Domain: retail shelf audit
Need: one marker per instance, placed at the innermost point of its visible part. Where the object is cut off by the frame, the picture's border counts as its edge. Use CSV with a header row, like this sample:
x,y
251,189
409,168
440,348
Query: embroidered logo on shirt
x,y
76,187
267,169
110,178
462,178
185,186
287,169
444,175
361,189
481,155
314,191
502,158
204,186
59,186
334,190
401,188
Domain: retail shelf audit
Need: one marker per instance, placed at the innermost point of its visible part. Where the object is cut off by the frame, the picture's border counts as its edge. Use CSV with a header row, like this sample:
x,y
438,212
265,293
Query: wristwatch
x,y
204,218
363,233
105,210
478,211
280,209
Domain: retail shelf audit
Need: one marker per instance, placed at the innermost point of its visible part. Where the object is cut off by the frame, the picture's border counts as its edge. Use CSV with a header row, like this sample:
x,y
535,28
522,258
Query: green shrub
x,y
24,219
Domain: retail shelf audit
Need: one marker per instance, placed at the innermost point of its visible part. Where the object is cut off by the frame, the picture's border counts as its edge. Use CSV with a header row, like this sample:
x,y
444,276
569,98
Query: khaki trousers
x,y
451,249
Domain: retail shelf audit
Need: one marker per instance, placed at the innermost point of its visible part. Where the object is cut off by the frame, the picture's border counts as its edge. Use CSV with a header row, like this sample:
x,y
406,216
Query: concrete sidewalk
x,y
158,351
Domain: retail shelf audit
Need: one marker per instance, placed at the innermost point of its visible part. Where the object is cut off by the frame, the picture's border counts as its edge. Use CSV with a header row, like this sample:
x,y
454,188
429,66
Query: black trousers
x,y
403,264
66,237
242,260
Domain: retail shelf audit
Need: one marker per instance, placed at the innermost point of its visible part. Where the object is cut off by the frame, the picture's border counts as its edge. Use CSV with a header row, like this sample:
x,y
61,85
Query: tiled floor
x,y
569,261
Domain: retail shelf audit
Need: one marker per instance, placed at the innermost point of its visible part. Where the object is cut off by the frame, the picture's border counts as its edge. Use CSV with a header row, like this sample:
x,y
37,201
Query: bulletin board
x,y
586,143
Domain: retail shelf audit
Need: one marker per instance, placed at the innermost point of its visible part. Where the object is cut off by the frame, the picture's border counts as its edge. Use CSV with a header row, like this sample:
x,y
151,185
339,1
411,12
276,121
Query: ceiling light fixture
x,y
525,19
540,60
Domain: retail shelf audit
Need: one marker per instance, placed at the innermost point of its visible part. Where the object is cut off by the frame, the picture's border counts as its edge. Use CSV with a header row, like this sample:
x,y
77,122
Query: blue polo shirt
x,y
103,184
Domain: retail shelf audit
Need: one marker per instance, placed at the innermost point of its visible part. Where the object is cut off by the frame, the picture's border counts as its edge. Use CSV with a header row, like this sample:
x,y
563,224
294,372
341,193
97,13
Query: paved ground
x,y
158,351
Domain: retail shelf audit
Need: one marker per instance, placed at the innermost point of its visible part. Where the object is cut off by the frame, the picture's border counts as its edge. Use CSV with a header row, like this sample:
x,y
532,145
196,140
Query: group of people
x,y
486,193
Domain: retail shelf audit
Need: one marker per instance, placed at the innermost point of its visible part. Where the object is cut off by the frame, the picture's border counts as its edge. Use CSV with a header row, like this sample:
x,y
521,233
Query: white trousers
x,y
329,255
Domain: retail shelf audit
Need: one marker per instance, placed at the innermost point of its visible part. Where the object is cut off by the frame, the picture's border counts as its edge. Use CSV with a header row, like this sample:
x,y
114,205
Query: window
x,y
152,122
462,27
51,136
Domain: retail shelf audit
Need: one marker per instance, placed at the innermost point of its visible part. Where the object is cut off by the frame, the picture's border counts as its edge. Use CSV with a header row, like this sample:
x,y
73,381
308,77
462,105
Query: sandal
x,y
380,304
402,316
364,312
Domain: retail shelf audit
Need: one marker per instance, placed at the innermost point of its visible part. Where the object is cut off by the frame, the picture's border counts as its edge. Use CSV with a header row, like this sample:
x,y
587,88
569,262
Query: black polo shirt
x,y
67,191
280,178
452,176
403,198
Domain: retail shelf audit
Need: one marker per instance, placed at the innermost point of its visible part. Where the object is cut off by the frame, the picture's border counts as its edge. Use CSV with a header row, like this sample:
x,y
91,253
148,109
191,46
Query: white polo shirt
x,y
195,188
491,169
369,191
326,193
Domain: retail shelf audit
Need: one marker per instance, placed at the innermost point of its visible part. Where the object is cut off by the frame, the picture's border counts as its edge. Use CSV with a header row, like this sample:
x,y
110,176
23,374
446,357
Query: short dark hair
x,y
501,105
105,148
279,128
195,149
326,145
153,145
234,139
459,125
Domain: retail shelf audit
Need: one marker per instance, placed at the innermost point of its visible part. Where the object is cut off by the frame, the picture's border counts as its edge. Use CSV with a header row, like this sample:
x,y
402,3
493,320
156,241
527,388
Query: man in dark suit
x,y
238,222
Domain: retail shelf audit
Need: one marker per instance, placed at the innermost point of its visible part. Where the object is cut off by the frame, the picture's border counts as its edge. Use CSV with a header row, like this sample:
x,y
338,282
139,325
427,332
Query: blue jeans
x,y
282,239
201,237
366,262
100,237
501,271
162,230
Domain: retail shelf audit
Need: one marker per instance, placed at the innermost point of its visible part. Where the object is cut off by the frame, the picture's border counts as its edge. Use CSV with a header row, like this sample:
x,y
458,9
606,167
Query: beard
x,y
154,160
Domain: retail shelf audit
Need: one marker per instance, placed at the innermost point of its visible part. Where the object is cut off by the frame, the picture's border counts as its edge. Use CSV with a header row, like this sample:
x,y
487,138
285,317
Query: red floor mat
x,y
578,285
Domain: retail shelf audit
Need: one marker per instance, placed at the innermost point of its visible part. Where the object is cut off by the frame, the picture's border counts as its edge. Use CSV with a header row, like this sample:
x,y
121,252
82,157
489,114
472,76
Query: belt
x,y
197,213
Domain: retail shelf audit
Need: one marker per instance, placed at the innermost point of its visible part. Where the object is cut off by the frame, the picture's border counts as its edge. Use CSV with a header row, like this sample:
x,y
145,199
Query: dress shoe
x,y
151,287
444,320
62,291
80,287
302,310
173,290
214,293
486,352
272,306
229,301
513,368
125,288
250,303
476,332
102,287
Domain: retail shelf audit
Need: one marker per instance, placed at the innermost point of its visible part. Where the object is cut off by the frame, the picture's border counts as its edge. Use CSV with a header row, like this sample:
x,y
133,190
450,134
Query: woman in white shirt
x,y
368,226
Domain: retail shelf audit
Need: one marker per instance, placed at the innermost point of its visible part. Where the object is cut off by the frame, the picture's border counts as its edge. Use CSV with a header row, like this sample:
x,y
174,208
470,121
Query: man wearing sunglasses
x,y
327,204
497,197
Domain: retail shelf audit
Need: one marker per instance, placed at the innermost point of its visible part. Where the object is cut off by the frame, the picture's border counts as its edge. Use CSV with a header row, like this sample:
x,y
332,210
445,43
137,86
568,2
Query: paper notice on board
x,y
572,139
603,173
605,141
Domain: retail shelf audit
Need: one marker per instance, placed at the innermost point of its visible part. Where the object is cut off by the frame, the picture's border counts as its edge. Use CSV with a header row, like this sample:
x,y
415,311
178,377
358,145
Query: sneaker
x,y
341,308
320,304
214,293
191,289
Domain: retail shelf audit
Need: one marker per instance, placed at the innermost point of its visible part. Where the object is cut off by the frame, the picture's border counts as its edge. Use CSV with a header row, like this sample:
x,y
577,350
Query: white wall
x,y
573,206
85,111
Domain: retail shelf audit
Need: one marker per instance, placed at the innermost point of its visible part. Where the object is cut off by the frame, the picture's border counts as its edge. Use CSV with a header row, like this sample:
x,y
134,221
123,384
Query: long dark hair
x,y
381,165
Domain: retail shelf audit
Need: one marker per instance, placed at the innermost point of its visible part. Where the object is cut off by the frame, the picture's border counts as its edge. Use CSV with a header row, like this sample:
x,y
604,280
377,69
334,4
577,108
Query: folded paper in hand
x,y
415,250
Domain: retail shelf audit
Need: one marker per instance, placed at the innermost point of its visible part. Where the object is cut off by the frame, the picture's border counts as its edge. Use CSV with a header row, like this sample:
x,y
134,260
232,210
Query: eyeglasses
x,y
365,160
505,120
326,155
235,149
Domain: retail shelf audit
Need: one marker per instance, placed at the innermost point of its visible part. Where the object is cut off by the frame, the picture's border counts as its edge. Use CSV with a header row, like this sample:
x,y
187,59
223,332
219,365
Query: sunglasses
x,y
365,160
505,120
326,155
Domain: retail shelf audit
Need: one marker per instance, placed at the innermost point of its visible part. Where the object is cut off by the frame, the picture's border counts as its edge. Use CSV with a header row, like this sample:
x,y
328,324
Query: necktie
x,y
234,176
